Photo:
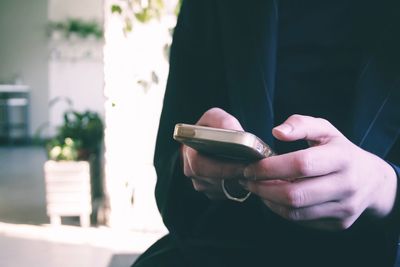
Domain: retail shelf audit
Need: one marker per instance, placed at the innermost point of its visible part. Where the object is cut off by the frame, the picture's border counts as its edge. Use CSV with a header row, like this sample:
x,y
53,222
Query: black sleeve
x,y
391,224
195,84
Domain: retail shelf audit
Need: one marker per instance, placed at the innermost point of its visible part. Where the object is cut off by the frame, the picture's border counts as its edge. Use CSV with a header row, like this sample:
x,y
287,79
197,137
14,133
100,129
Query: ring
x,y
230,197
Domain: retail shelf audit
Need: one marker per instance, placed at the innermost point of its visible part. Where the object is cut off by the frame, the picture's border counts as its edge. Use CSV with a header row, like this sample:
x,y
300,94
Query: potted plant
x,y
72,173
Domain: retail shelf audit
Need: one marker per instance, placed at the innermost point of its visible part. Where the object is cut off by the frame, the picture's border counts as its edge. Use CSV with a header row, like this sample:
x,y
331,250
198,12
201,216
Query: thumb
x,y
299,127
219,118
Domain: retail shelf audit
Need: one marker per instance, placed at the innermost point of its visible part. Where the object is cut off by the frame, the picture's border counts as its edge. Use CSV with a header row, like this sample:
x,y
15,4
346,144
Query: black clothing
x,y
262,62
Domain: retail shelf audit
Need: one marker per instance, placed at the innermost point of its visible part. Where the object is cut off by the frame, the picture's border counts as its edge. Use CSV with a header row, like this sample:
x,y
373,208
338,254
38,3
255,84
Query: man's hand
x,y
207,172
326,186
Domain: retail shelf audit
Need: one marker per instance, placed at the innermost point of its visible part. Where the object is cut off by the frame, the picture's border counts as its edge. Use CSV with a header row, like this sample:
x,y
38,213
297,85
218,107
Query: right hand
x,y
207,172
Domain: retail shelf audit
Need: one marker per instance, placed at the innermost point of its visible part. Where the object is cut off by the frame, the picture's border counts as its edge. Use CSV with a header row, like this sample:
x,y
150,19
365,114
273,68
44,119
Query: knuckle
x,y
229,122
294,198
351,189
324,122
293,215
304,164
297,118
350,208
351,186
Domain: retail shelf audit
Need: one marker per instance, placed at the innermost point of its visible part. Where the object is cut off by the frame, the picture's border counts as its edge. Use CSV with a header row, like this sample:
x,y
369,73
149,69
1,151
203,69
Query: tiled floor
x,y
36,253
70,246
26,239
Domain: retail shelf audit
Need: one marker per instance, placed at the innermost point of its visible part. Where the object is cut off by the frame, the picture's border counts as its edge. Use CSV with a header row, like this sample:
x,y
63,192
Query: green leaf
x,y
116,9
144,15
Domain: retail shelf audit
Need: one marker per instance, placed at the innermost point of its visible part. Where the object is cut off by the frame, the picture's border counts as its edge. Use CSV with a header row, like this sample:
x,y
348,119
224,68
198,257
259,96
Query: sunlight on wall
x,y
76,68
132,115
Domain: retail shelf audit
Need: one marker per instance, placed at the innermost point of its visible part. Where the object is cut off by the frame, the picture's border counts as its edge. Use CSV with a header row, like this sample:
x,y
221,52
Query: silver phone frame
x,y
235,141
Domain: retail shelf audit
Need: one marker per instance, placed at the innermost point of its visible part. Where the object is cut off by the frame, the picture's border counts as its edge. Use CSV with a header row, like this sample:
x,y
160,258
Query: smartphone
x,y
237,145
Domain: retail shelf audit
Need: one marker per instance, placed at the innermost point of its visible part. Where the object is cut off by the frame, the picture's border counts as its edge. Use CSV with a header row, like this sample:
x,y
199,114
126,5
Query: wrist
x,y
386,194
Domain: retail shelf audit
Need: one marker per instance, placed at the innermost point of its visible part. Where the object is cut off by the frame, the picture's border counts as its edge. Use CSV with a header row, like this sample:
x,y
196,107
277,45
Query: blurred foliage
x,y
140,10
79,137
65,150
178,7
81,28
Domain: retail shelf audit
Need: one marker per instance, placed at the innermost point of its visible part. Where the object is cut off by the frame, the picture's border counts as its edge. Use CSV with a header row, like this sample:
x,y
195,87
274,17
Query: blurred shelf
x,y
14,114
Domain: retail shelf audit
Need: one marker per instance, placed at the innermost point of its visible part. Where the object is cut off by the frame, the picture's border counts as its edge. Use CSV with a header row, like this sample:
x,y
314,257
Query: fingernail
x,y
284,128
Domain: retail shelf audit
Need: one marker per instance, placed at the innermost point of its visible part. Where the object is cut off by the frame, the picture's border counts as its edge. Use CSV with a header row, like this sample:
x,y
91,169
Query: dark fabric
x,y
248,60
162,253
319,58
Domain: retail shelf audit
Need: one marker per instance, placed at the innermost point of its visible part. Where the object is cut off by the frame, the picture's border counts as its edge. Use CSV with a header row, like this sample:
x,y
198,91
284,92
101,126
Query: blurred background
x,y
81,90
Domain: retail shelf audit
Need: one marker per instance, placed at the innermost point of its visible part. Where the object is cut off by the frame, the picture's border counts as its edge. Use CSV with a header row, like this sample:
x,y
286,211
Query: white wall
x,y
51,69
84,9
132,117
23,51
75,65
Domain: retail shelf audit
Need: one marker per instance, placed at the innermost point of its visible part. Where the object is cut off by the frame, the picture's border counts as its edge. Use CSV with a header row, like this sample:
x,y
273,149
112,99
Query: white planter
x,y
68,190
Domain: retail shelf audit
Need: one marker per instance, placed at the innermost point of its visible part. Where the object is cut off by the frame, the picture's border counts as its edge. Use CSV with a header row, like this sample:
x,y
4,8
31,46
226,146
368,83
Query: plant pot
x,y
68,190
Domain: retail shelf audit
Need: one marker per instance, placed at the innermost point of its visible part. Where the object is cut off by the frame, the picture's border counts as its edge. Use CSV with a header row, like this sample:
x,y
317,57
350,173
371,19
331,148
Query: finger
x,y
328,210
219,118
207,188
303,193
208,181
200,186
310,162
198,165
298,127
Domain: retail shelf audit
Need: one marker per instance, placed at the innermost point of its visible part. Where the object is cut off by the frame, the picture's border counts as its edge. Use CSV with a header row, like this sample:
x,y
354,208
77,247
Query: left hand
x,y
327,186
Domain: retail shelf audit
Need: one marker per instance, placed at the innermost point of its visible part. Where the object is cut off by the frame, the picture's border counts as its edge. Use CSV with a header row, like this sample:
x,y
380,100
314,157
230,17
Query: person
x,y
319,82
